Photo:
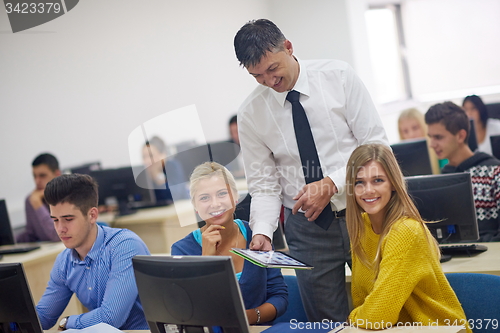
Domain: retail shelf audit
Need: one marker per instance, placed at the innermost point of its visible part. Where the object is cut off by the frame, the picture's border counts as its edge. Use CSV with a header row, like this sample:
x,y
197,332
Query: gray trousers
x,y
322,289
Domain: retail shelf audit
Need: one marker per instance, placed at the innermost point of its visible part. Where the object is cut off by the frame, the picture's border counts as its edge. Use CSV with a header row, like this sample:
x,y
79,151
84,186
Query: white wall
x,y
78,85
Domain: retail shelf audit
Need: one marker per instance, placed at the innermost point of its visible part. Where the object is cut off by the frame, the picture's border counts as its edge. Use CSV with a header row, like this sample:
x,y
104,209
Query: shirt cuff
x,y
71,323
264,215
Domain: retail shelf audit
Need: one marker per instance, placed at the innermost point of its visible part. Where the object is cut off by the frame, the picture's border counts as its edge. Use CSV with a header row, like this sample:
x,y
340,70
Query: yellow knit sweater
x,y
411,287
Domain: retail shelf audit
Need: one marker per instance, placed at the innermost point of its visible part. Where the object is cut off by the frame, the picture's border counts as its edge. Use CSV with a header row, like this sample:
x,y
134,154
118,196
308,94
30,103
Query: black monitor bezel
x,y
408,152
120,183
467,227
24,314
6,234
180,273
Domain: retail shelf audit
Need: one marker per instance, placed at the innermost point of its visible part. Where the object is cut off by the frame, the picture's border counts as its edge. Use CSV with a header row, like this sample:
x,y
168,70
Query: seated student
x,y
214,194
39,224
96,266
154,156
396,274
484,125
411,125
448,128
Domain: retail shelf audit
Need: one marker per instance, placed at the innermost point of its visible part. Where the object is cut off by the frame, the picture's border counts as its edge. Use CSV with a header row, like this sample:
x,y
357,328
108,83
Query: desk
x,y
37,266
485,263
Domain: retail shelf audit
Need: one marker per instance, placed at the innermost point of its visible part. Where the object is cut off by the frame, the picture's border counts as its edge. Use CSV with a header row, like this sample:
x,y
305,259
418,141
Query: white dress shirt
x,y
342,116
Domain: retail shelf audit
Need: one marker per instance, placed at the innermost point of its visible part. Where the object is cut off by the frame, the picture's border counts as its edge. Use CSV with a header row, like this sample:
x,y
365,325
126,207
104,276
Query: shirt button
x,y
90,288
87,267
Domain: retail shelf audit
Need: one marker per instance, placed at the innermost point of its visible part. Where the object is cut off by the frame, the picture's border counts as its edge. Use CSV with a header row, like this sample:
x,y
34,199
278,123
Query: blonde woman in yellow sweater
x,y
396,275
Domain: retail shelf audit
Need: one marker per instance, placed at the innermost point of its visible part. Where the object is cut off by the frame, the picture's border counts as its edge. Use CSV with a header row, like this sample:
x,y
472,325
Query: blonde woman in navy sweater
x,y
214,196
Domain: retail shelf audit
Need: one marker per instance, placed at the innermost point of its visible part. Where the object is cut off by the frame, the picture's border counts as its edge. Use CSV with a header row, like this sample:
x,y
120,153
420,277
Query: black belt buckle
x,y
339,214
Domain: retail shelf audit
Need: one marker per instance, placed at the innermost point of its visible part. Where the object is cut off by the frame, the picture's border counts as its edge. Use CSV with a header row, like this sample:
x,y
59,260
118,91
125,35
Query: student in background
x,y
96,265
214,196
484,125
411,125
448,128
396,274
154,156
39,224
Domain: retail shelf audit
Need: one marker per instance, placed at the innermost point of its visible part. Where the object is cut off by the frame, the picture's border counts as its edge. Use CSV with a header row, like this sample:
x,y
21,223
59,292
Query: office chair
x,y
295,309
480,298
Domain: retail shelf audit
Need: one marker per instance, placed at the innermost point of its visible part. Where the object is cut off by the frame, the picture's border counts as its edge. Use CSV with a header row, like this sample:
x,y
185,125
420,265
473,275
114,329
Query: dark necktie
x,y
308,153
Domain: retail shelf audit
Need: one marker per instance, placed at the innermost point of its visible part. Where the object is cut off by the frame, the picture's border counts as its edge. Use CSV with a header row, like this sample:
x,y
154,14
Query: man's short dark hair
x,y
233,120
47,159
452,116
255,39
76,189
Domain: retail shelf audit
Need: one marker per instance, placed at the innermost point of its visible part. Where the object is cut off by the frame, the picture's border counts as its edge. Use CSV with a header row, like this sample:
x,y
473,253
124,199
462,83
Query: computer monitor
x,y
190,293
6,235
84,168
17,311
447,198
120,184
495,145
413,157
223,152
472,136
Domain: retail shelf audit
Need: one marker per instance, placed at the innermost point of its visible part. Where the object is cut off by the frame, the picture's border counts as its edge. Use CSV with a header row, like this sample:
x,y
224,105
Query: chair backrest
x,y
295,309
480,298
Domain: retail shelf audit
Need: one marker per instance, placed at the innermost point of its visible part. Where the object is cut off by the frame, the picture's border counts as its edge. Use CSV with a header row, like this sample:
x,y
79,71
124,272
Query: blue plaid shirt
x,y
104,283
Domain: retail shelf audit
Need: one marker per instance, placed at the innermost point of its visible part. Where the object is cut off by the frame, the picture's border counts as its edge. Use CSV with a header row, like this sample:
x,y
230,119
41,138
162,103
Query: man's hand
x,y
36,199
314,197
210,240
260,242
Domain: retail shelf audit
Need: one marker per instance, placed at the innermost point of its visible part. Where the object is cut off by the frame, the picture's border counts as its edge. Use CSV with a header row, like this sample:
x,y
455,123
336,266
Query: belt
x,y
340,213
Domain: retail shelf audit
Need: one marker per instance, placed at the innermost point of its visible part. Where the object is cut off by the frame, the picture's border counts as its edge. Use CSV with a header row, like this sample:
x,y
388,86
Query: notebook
x,y
7,243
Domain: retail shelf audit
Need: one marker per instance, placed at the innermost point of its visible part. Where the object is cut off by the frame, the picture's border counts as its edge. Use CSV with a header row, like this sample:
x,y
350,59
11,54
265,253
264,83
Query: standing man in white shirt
x,y
341,116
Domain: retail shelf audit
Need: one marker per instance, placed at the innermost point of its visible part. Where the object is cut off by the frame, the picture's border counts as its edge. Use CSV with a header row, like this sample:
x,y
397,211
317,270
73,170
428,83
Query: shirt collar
x,y
302,86
94,251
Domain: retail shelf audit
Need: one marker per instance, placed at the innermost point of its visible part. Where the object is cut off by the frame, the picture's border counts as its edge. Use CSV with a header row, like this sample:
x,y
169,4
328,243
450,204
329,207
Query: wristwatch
x,y
63,322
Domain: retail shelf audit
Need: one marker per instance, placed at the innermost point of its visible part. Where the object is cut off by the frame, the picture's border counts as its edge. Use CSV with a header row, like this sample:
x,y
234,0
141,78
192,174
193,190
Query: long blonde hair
x,y
399,206
208,170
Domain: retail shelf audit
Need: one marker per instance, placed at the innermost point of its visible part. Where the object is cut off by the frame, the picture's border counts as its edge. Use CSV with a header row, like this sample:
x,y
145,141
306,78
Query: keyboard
x,y
17,248
462,249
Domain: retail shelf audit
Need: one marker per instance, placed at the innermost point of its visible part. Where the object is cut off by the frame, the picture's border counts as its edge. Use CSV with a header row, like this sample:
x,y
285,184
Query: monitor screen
x,y
6,235
447,198
17,311
120,184
413,157
190,293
